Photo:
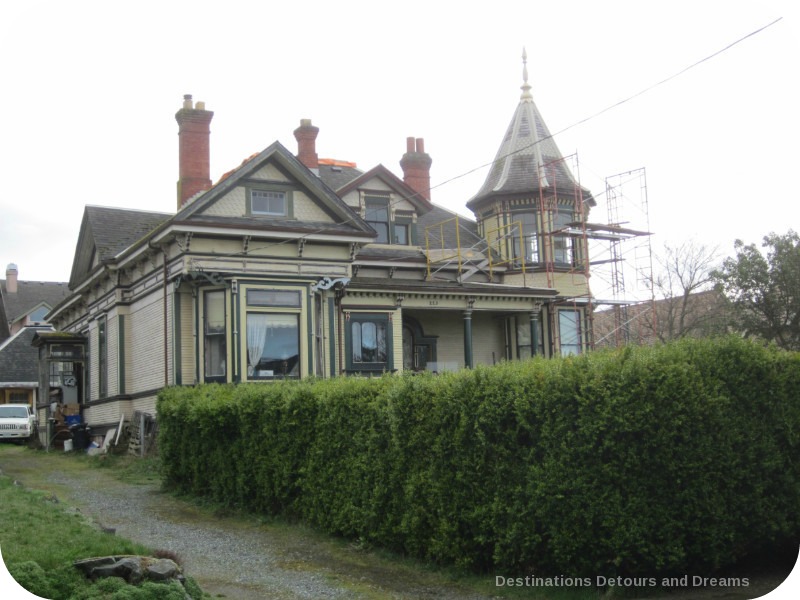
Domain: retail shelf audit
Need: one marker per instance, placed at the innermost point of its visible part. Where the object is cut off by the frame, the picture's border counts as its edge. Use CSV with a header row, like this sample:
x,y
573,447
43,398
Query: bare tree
x,y
687,305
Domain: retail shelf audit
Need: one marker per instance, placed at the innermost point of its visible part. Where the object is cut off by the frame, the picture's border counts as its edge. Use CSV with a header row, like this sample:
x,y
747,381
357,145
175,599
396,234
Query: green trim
x,y
332,336
468,360
102,357
236,321
270,187
177,356
121,352
310,327
197,334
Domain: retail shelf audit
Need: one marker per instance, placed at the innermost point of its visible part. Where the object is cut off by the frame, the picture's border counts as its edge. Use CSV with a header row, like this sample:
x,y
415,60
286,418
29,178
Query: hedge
x,y
642,461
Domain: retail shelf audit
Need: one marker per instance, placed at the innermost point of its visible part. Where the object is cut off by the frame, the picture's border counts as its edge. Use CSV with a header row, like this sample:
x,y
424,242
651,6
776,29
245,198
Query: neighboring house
x,y
23,310
24,303
700,314
19,367
293,266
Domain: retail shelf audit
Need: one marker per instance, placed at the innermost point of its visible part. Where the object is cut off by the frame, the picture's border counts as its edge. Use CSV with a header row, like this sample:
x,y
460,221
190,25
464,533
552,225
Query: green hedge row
x,y
649,461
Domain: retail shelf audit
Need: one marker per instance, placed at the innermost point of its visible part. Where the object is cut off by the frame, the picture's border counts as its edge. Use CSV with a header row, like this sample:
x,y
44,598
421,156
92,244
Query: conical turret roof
x,y
528,159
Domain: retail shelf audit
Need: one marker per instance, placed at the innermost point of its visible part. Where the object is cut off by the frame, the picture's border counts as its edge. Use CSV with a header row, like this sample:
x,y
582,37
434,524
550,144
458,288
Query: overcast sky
x,y
90,90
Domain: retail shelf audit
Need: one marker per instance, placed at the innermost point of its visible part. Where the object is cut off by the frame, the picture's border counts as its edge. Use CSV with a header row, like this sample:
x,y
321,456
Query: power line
x,y
552,135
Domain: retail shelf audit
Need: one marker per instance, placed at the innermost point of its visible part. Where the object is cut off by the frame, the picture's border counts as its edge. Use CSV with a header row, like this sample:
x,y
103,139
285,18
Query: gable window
x,y
271,203
377,216
369,342
215,334
38,315
391,228
569,330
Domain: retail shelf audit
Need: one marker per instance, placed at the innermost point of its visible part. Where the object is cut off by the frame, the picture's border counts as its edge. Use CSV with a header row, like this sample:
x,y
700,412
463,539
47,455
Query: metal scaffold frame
x,y
630,258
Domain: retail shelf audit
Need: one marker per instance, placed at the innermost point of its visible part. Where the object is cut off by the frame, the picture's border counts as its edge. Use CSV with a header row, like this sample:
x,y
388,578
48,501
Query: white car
x,y
17,422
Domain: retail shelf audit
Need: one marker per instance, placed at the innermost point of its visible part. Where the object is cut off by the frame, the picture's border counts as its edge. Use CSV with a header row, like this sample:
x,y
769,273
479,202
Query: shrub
x,y
630,462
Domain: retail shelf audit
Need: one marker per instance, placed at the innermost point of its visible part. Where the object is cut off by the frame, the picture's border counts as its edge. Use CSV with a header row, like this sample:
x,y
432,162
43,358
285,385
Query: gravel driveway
x,y
233,557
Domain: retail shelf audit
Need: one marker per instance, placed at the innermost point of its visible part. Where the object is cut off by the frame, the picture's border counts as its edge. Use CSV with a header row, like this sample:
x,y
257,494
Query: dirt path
x,y
233,557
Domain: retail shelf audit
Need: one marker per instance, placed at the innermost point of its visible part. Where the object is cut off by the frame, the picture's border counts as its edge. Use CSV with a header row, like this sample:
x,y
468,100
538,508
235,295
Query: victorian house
x,y
291,266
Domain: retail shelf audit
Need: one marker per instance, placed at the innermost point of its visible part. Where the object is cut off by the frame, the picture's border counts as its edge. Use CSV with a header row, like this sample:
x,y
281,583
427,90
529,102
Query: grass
x,y
40,538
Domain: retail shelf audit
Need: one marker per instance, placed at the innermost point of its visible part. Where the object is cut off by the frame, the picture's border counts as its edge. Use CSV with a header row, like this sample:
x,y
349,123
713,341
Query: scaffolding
x,y
615,256
628,268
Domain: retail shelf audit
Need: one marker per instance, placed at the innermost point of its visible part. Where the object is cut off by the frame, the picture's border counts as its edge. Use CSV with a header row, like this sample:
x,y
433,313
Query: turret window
x,y
525,237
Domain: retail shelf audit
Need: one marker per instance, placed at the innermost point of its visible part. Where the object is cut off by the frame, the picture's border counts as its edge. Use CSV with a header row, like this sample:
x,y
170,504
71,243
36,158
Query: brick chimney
x,y
11,278
416,165
306,136
193,149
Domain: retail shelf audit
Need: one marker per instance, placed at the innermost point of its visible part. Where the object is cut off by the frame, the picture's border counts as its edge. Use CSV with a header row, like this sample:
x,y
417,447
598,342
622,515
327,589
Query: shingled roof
x,y
528,159
29,296
19,361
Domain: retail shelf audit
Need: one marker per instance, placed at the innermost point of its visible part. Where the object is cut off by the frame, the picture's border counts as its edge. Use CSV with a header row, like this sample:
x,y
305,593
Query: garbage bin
x,y
80,436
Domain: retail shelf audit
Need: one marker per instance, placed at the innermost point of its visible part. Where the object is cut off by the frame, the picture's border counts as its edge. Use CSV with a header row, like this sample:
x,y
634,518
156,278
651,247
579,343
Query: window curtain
x,y
260,327
256,336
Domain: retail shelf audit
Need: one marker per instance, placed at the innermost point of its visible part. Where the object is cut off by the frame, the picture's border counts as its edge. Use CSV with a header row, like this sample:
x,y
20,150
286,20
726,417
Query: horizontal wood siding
x,y
146,366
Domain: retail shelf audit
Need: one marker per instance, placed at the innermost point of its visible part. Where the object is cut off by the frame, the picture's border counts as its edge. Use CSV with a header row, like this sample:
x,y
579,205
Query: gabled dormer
x,y
388,205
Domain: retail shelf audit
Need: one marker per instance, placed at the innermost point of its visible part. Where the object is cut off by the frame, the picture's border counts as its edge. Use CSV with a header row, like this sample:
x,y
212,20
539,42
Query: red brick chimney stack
x,y
306,136
193,149
416,165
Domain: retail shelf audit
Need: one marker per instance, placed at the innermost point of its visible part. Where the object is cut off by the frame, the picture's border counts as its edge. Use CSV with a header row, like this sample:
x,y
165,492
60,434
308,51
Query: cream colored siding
x,y
488,339
147,345
449,328
397,339
107,413
269,172
147,405
232,204
187,339
112,355
305,209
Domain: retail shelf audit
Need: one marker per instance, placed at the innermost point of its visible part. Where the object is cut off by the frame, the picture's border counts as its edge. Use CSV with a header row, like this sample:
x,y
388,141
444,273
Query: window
x,y
289,298
272,203
18,397
401,234
523,333
525,237
38,315
273,345
369,343
102,358
215,334
562,244
377,216
569,330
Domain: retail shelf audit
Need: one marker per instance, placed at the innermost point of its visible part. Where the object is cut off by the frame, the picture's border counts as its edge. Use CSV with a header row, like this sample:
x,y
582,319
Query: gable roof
x,y
29,296
19,360
393,181
346,220
106,232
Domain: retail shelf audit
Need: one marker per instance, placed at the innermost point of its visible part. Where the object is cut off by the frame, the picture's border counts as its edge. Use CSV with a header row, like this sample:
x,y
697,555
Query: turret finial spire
x,y
526,88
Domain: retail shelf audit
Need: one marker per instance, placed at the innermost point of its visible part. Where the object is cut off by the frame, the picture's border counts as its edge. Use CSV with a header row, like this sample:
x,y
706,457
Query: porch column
x,y
468,362
534,324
